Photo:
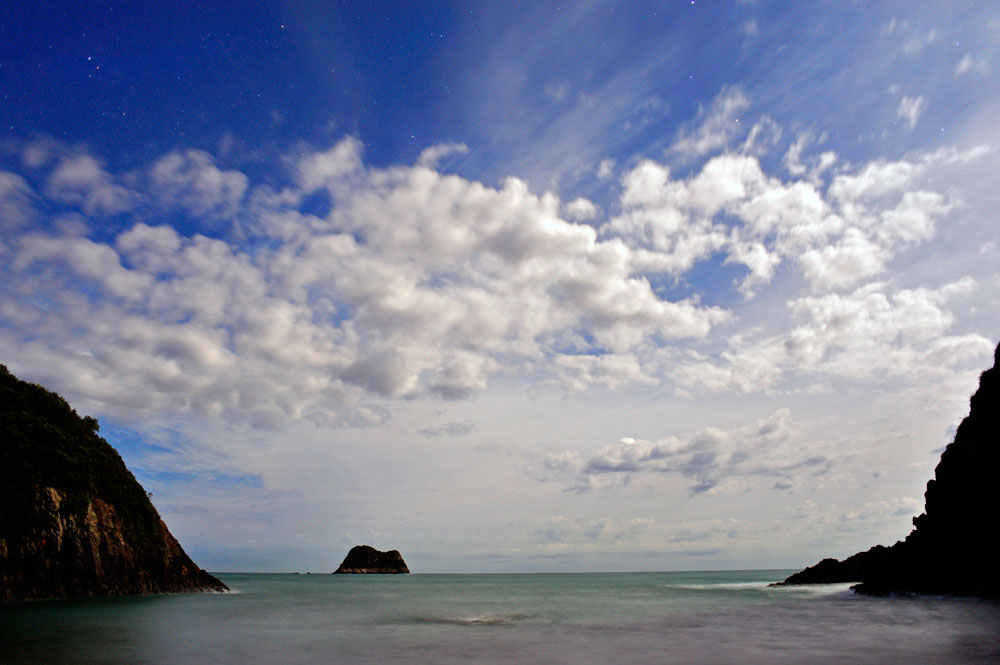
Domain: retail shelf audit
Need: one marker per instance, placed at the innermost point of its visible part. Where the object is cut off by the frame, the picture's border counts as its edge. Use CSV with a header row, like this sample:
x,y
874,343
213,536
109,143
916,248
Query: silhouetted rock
x,y
363,559
954,547
73,519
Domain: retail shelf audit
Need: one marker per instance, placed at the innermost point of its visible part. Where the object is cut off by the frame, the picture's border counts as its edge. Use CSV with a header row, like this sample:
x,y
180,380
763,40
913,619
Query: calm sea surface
x,y
701,617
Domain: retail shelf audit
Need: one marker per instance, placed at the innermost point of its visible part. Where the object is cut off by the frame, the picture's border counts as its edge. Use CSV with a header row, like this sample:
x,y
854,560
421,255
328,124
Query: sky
x,y
510,286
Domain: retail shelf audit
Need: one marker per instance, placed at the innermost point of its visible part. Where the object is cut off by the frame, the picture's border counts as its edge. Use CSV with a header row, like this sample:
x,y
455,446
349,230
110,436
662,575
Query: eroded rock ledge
x,y
73,519
363,559
955,544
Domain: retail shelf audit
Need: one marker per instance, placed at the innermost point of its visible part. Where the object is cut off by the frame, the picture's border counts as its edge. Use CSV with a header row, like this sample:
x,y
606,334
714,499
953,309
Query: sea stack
x,y
955,544
73,520
363,559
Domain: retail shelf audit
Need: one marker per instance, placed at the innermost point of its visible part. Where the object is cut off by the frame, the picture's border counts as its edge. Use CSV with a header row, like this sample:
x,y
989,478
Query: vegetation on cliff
x,y
73,520
955,544
363,559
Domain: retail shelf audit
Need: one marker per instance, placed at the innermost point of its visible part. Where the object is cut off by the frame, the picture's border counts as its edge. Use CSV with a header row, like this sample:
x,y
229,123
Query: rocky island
x,y
363,559
73,520
955,544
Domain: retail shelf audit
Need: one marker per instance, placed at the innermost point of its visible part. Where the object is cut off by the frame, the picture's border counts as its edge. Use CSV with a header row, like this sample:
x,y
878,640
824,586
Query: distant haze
x,y
509,287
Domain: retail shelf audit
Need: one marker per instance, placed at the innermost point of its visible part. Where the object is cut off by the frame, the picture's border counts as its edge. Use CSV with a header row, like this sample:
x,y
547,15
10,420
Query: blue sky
x,y
507,286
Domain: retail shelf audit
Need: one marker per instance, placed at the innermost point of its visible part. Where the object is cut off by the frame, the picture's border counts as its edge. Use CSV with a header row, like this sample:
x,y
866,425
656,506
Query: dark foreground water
x,y
703,617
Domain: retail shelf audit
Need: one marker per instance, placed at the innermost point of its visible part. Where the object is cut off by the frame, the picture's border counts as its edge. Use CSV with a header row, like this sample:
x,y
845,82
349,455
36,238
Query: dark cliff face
x,y
363,559
73,519
955,544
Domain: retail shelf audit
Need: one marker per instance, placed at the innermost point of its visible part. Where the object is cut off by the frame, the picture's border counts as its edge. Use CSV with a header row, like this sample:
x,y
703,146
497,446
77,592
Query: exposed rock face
x,y
955,545
73,519
363,559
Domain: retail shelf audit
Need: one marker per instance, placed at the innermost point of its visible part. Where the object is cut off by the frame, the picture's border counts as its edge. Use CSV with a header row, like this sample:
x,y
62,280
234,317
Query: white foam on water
x,y
720,586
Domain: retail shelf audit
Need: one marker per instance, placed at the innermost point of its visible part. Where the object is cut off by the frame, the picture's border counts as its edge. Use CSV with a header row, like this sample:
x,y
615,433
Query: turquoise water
x,y
700,617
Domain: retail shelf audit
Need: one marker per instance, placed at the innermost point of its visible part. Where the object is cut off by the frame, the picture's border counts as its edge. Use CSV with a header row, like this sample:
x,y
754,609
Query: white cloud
x,y
762,137
869,332
712,460
874,180
192,180
745,370
79,179
853,259
429,157
416,283
912,221
759,261
86,259
320,168
716,126
16,206
919,42
580,210
910,109
964,65
792,159
580,372
850,233
968,63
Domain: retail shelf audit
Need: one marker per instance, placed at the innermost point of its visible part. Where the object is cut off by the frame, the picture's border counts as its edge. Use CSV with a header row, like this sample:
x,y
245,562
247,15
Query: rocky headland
x,y
363,559
73,520
954,547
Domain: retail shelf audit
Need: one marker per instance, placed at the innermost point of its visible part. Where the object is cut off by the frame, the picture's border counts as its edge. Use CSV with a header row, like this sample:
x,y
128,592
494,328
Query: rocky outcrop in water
x,y
954,547
73,519
363,559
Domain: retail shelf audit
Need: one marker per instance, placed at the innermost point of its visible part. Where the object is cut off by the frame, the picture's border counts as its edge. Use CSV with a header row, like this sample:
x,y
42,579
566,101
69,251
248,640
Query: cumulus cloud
x,y
318,168
578,372
415,283
16,207
711,460
854,258
869,332
80,179
192,180
838,237
580,210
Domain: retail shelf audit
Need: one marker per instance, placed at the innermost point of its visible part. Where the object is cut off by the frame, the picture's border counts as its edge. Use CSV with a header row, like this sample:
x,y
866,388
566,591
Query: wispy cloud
x,y
716,125
910,109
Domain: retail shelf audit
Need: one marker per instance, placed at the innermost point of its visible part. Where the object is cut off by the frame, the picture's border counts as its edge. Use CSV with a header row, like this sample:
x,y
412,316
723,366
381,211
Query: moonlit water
x,y
699,617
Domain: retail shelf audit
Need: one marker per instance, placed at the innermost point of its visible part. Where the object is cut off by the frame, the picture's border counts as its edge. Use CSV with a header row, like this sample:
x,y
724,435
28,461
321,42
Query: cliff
x,y
363,559
73,519
955,544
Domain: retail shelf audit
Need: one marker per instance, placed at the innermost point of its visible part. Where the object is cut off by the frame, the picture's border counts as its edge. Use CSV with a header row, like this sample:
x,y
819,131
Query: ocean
x,y
728,617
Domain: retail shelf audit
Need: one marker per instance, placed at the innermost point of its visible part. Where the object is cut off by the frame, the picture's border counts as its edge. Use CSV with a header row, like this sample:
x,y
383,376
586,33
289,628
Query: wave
x,y
838,589
472,620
